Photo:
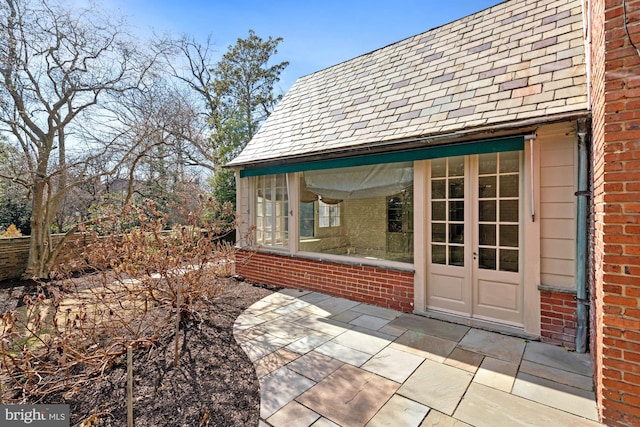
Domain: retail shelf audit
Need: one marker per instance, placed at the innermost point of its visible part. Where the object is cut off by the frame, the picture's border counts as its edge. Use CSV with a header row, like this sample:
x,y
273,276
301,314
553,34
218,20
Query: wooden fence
x,y
14,253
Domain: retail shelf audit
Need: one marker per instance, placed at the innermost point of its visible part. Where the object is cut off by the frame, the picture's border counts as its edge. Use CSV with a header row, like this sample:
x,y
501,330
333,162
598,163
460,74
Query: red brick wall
x,y
372,285
615,77
558,318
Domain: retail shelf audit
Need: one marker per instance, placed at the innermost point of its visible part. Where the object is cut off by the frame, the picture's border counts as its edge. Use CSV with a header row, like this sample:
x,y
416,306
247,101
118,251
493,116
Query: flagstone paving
x,y
324,361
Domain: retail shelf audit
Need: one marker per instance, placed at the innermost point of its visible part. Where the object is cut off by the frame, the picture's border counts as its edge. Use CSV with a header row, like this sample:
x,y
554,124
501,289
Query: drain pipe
x,y
583,193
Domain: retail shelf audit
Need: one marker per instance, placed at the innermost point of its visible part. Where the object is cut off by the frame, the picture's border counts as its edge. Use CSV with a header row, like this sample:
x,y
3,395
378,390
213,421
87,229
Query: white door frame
x,y
530,235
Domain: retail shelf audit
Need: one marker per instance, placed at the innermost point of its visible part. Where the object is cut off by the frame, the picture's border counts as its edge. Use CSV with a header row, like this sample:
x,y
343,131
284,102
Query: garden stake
x,y
129,386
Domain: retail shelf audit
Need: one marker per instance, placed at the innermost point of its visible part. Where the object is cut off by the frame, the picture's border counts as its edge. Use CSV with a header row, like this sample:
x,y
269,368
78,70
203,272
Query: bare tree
x,y
62,71
191,63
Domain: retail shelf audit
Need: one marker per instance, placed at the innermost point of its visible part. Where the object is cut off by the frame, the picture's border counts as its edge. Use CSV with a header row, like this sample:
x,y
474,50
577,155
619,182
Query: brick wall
x,y
558,317
615,78
372,285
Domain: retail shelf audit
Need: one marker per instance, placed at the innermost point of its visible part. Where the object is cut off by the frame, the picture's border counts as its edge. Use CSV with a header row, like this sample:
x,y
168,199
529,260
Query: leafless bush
x,y
145,282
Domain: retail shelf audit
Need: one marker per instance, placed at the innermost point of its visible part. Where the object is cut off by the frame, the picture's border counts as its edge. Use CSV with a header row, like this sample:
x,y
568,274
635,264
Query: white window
x,y
328,214
271,215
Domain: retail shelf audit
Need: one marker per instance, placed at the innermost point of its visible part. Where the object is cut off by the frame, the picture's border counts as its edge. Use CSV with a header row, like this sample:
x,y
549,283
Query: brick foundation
x,y
558,318
372,285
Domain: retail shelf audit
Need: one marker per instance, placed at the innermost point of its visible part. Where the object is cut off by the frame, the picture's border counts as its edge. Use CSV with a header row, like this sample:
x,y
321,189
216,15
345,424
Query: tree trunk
x,y
40,236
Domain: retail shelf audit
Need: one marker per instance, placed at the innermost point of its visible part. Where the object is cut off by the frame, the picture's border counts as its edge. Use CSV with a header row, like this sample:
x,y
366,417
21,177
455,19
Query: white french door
x,y
474,231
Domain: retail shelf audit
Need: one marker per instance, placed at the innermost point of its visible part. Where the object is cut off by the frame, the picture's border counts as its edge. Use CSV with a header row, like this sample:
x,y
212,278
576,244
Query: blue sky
x,y
317,34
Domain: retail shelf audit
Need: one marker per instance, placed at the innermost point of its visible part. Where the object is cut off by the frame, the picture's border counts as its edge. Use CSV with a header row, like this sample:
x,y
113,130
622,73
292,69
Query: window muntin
x,y
271,216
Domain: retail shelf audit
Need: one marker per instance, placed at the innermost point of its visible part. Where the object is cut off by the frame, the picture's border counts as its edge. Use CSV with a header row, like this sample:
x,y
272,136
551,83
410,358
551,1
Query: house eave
x,y
498,130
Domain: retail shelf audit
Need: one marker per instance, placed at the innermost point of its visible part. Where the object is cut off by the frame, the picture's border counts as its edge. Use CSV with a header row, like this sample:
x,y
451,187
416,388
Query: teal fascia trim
x,y
433,152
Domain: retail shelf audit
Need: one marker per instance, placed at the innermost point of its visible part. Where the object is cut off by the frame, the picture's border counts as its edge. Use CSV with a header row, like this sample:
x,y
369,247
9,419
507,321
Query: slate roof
x,y
521,60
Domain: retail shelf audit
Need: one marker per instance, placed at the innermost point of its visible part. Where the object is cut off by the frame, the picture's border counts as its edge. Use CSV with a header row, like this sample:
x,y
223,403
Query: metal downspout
x,y
583,193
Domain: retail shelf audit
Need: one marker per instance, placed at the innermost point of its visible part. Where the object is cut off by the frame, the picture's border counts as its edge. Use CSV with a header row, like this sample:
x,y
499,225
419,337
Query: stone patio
x,y
327,361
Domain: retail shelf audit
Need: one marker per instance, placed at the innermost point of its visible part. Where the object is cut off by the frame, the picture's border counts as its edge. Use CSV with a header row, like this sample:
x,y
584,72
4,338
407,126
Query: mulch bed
x,y
214,384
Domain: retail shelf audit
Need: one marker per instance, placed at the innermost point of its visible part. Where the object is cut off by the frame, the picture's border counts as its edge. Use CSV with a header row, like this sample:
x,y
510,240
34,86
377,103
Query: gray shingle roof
x,y
518,60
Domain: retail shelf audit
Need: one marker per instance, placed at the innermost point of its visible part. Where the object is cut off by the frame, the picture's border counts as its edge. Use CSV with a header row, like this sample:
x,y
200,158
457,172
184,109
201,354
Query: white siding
x,y
558,180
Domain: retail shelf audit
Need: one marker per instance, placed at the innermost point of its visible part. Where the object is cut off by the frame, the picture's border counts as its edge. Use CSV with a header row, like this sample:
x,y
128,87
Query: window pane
x,y
438,254
438,232
438,189
509,210
268,193
280,188
487,235
394,226
509,235
370,214
488,164
439,211
438,168
456,233
323,215
456,255
456,211
509,186
456,166
307,213
487,210
487,186
509,161
334,214
456,188
508,260
487,258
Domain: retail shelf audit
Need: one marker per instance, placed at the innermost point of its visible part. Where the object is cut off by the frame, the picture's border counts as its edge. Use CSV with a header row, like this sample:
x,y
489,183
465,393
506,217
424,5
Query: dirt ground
x,y
214,385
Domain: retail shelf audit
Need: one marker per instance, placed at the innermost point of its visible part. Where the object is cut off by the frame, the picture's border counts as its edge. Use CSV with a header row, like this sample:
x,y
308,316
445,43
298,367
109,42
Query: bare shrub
x,y
144,282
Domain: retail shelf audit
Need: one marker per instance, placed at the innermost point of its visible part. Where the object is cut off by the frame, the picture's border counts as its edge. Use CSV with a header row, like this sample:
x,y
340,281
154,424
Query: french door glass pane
x,y
439,232
509,186
438,168
486,186
487,258
509,210
508,260
488,164
487,235
439,211
456,233
487,211
456,166
456,188
509,235
509,162
438,254
438,189
456,210
456,256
